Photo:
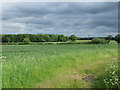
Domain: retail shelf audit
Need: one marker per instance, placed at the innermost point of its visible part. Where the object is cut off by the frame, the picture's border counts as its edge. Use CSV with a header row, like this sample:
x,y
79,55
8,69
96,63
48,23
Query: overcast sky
x,y
79,18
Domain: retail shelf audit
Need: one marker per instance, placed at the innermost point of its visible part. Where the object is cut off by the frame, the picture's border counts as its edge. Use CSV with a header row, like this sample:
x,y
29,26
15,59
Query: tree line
x,y
53,38
36,38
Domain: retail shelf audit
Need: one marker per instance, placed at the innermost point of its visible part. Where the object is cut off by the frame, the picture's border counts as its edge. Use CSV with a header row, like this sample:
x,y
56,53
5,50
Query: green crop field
x,y
56,66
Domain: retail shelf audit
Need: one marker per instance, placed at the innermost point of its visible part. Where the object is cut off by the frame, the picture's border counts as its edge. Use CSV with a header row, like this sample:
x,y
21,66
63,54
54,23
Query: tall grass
x,y
27,66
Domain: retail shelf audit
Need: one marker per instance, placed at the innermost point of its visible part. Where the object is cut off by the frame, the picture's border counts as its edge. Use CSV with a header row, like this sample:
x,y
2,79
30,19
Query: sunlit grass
x,y
28,66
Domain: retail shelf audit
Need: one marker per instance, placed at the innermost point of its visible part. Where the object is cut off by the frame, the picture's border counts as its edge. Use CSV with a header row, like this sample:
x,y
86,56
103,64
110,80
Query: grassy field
x,y
56,66
47,43
83,40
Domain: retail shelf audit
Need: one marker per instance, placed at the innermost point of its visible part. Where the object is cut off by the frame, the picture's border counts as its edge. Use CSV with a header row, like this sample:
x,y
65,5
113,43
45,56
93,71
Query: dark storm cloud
x,y
81,19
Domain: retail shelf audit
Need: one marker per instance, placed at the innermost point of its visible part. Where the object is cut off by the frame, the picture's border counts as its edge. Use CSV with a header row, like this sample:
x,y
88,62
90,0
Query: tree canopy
x,y
36,38
117,38
72,37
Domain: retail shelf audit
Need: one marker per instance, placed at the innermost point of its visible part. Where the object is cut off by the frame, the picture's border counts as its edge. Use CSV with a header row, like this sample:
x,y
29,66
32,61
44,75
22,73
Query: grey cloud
x,y
81,19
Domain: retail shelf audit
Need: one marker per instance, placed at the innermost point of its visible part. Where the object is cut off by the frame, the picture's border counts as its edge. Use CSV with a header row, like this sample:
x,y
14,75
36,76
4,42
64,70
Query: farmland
x,y
56,66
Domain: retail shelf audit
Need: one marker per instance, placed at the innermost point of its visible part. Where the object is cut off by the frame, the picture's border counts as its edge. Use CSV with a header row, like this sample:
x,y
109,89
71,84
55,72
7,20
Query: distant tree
x,y
99,41
12,38
109,37
8,39
53,38
117,38
95,40
26,40
39,38
46,38
20,37
65,39
62,38
72,37
34,37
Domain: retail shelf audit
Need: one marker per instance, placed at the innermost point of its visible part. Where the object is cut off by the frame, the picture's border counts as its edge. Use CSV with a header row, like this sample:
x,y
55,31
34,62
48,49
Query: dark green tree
x,y
26,40
72,37
99,41
35,37
62,38
109,37
117,38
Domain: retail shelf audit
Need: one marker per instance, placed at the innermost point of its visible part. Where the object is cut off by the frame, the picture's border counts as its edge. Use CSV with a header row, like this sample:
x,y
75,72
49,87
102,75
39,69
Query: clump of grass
x,y
111,79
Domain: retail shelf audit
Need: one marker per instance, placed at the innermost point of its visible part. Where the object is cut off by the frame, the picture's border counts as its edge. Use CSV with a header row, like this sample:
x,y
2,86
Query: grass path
x,y
79,76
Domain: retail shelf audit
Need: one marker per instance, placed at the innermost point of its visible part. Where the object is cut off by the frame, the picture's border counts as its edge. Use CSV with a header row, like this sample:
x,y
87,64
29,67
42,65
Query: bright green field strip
x,y
83,40
44,48
31,65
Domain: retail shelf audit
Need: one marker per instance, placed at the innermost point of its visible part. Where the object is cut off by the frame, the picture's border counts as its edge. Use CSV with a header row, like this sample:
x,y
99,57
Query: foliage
x,y
109,37
117,38
111,78
72,37
26,41
45,38
99,41
34,37
61,38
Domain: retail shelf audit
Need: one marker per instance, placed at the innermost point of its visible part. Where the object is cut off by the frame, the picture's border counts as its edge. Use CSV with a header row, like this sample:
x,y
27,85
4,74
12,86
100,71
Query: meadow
x,y
56,66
